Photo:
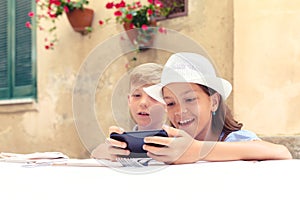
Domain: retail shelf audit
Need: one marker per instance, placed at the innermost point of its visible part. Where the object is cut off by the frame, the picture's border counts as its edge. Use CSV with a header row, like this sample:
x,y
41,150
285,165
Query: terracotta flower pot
x,y
143,39
80,19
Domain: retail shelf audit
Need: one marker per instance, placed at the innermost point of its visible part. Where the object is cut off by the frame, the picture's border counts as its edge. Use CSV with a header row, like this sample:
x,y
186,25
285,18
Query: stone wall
x,y
292,142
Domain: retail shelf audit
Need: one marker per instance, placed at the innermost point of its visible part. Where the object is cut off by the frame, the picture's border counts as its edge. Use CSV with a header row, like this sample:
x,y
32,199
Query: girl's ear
x,y
215,102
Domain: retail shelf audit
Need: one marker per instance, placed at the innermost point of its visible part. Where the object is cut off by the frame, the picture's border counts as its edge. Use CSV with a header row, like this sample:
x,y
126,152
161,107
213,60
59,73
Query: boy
x,y
147,113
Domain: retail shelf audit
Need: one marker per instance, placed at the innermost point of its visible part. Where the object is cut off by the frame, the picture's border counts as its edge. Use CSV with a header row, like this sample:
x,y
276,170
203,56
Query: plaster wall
x,y
48,124
266,66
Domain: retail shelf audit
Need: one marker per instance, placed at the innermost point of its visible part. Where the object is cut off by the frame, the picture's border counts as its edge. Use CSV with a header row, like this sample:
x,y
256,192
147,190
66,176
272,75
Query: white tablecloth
x,y
202,180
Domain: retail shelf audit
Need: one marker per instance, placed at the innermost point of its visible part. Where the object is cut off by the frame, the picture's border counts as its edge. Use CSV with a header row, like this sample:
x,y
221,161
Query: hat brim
x,y
155,91
224,89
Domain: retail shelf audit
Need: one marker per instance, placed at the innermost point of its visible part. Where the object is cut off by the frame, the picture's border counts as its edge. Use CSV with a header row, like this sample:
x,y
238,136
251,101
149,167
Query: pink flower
x,y
138,4
66,9
162,30
118,13
158,4
109,5
150,12
31,14
28,25
144,27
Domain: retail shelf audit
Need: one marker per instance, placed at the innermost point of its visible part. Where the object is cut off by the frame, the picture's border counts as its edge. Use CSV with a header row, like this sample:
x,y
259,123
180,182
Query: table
x,y
278,179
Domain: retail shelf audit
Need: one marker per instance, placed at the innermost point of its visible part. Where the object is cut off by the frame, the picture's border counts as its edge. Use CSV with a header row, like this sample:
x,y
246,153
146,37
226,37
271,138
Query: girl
x,y
203,126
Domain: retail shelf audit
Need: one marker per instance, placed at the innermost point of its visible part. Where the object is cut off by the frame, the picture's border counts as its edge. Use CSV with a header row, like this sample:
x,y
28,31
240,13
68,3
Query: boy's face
x,y
146,112
189,108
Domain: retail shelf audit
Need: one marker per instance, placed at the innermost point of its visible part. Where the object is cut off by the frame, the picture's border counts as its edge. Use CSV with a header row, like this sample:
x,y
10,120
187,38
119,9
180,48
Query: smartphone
x,y
135,141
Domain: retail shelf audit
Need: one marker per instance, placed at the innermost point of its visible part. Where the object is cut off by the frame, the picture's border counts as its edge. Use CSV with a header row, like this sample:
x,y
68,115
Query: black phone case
x,y
135,141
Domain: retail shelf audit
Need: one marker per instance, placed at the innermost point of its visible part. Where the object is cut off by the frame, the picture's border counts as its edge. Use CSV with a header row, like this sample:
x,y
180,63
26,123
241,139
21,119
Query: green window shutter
x,y
24,76
17,50
4,74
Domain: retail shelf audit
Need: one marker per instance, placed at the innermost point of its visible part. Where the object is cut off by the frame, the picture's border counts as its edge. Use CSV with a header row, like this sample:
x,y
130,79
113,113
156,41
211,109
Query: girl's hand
x,y
111,148
178,148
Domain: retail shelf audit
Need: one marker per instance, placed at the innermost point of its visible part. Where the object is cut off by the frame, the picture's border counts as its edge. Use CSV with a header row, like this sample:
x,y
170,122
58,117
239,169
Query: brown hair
x,y
223,121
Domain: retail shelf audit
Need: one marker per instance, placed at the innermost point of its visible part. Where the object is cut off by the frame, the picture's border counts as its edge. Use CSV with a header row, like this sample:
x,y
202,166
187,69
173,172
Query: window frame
x,y
174,15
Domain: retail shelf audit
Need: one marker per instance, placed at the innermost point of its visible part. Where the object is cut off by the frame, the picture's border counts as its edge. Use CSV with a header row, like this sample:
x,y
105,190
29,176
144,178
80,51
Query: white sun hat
x,y
190,68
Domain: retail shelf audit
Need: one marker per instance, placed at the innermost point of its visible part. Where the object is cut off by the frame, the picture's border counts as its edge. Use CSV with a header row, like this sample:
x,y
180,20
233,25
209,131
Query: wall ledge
x,y
292,142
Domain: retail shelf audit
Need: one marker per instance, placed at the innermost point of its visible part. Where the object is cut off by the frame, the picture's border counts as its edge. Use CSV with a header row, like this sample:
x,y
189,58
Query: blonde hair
x,y
145,74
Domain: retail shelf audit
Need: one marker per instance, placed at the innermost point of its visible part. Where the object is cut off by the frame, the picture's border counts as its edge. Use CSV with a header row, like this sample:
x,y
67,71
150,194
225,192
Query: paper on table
x,y
86,163
59,159
124,162
33,157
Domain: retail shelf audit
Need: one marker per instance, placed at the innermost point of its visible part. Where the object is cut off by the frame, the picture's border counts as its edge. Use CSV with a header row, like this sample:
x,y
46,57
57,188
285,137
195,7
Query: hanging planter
x,y
81,19
51,10
142,38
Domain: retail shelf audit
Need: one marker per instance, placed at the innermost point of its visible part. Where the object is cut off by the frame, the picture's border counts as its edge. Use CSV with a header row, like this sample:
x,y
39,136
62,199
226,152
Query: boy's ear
x,y
215,102
128,99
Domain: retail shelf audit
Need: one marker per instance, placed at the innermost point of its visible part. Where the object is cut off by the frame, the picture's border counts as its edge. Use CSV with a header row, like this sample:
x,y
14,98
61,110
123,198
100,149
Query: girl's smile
x,y
189,108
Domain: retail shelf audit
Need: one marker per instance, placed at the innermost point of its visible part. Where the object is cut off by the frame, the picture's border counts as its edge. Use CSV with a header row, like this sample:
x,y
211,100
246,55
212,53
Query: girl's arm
x,y
248,150
180,148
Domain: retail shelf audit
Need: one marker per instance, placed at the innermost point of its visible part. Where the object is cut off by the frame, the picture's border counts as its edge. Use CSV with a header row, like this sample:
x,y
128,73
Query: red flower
x,y
129,17
100,22
122,4
109,5
51,15
118,13
131,26
55,2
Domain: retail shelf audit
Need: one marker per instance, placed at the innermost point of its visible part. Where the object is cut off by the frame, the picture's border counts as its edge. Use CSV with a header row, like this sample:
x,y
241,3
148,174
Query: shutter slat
x,y
3,45
23,63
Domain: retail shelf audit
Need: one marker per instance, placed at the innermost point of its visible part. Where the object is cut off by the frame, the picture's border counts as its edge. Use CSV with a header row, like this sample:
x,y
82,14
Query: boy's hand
x,y
111,149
